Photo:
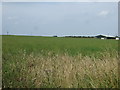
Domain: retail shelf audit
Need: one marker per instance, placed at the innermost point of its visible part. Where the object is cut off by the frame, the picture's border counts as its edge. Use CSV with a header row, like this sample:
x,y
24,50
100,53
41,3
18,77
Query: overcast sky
x,y
60,0
60,18
0,18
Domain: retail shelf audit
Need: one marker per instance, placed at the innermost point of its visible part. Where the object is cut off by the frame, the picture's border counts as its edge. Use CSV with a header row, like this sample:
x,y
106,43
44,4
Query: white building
x,y
117,38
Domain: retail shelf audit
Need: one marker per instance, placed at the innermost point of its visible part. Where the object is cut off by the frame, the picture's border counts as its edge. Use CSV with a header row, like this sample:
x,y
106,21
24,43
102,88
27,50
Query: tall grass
x,y
60,71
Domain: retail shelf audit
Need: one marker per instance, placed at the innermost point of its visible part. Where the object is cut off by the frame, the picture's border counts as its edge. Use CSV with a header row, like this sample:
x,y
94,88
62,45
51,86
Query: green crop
x,y
59,62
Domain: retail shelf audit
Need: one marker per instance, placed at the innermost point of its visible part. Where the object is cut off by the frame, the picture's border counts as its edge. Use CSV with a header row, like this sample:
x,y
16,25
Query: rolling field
x,y
58,62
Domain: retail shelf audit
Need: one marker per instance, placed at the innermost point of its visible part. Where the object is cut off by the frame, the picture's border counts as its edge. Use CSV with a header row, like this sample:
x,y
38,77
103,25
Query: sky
x,y
60,18
0,18
60,0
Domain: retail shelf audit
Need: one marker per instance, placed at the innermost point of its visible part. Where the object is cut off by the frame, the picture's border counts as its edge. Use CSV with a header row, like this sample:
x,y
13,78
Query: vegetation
x,y
56,62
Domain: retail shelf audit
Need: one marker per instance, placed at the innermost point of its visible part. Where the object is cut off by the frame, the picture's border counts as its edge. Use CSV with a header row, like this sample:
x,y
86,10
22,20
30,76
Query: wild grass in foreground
x,y
60,71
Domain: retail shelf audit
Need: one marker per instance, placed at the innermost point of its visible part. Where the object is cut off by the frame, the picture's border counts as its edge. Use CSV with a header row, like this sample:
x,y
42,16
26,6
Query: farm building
x,y
101,37
117,38
107,37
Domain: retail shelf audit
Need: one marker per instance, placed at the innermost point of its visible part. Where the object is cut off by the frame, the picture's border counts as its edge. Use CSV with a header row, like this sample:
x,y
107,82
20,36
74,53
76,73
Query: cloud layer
x,y
103,13
60,0
60,18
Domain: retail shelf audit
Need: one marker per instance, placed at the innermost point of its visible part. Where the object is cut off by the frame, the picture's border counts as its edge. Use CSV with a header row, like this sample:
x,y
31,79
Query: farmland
x,y
58,62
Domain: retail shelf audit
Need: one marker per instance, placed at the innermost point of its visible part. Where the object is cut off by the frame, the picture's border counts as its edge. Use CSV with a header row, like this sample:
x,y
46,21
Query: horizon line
x,y
58,35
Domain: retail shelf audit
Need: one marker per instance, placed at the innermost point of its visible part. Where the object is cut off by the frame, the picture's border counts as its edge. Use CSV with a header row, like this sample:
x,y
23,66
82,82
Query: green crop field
x,y
59,62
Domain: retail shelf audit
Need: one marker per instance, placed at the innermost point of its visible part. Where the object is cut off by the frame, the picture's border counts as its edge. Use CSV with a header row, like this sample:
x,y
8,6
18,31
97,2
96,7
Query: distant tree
x,y
55,36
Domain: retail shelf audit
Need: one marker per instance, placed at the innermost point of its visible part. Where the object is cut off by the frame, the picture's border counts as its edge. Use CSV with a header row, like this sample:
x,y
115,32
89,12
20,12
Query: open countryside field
x,y
58,62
